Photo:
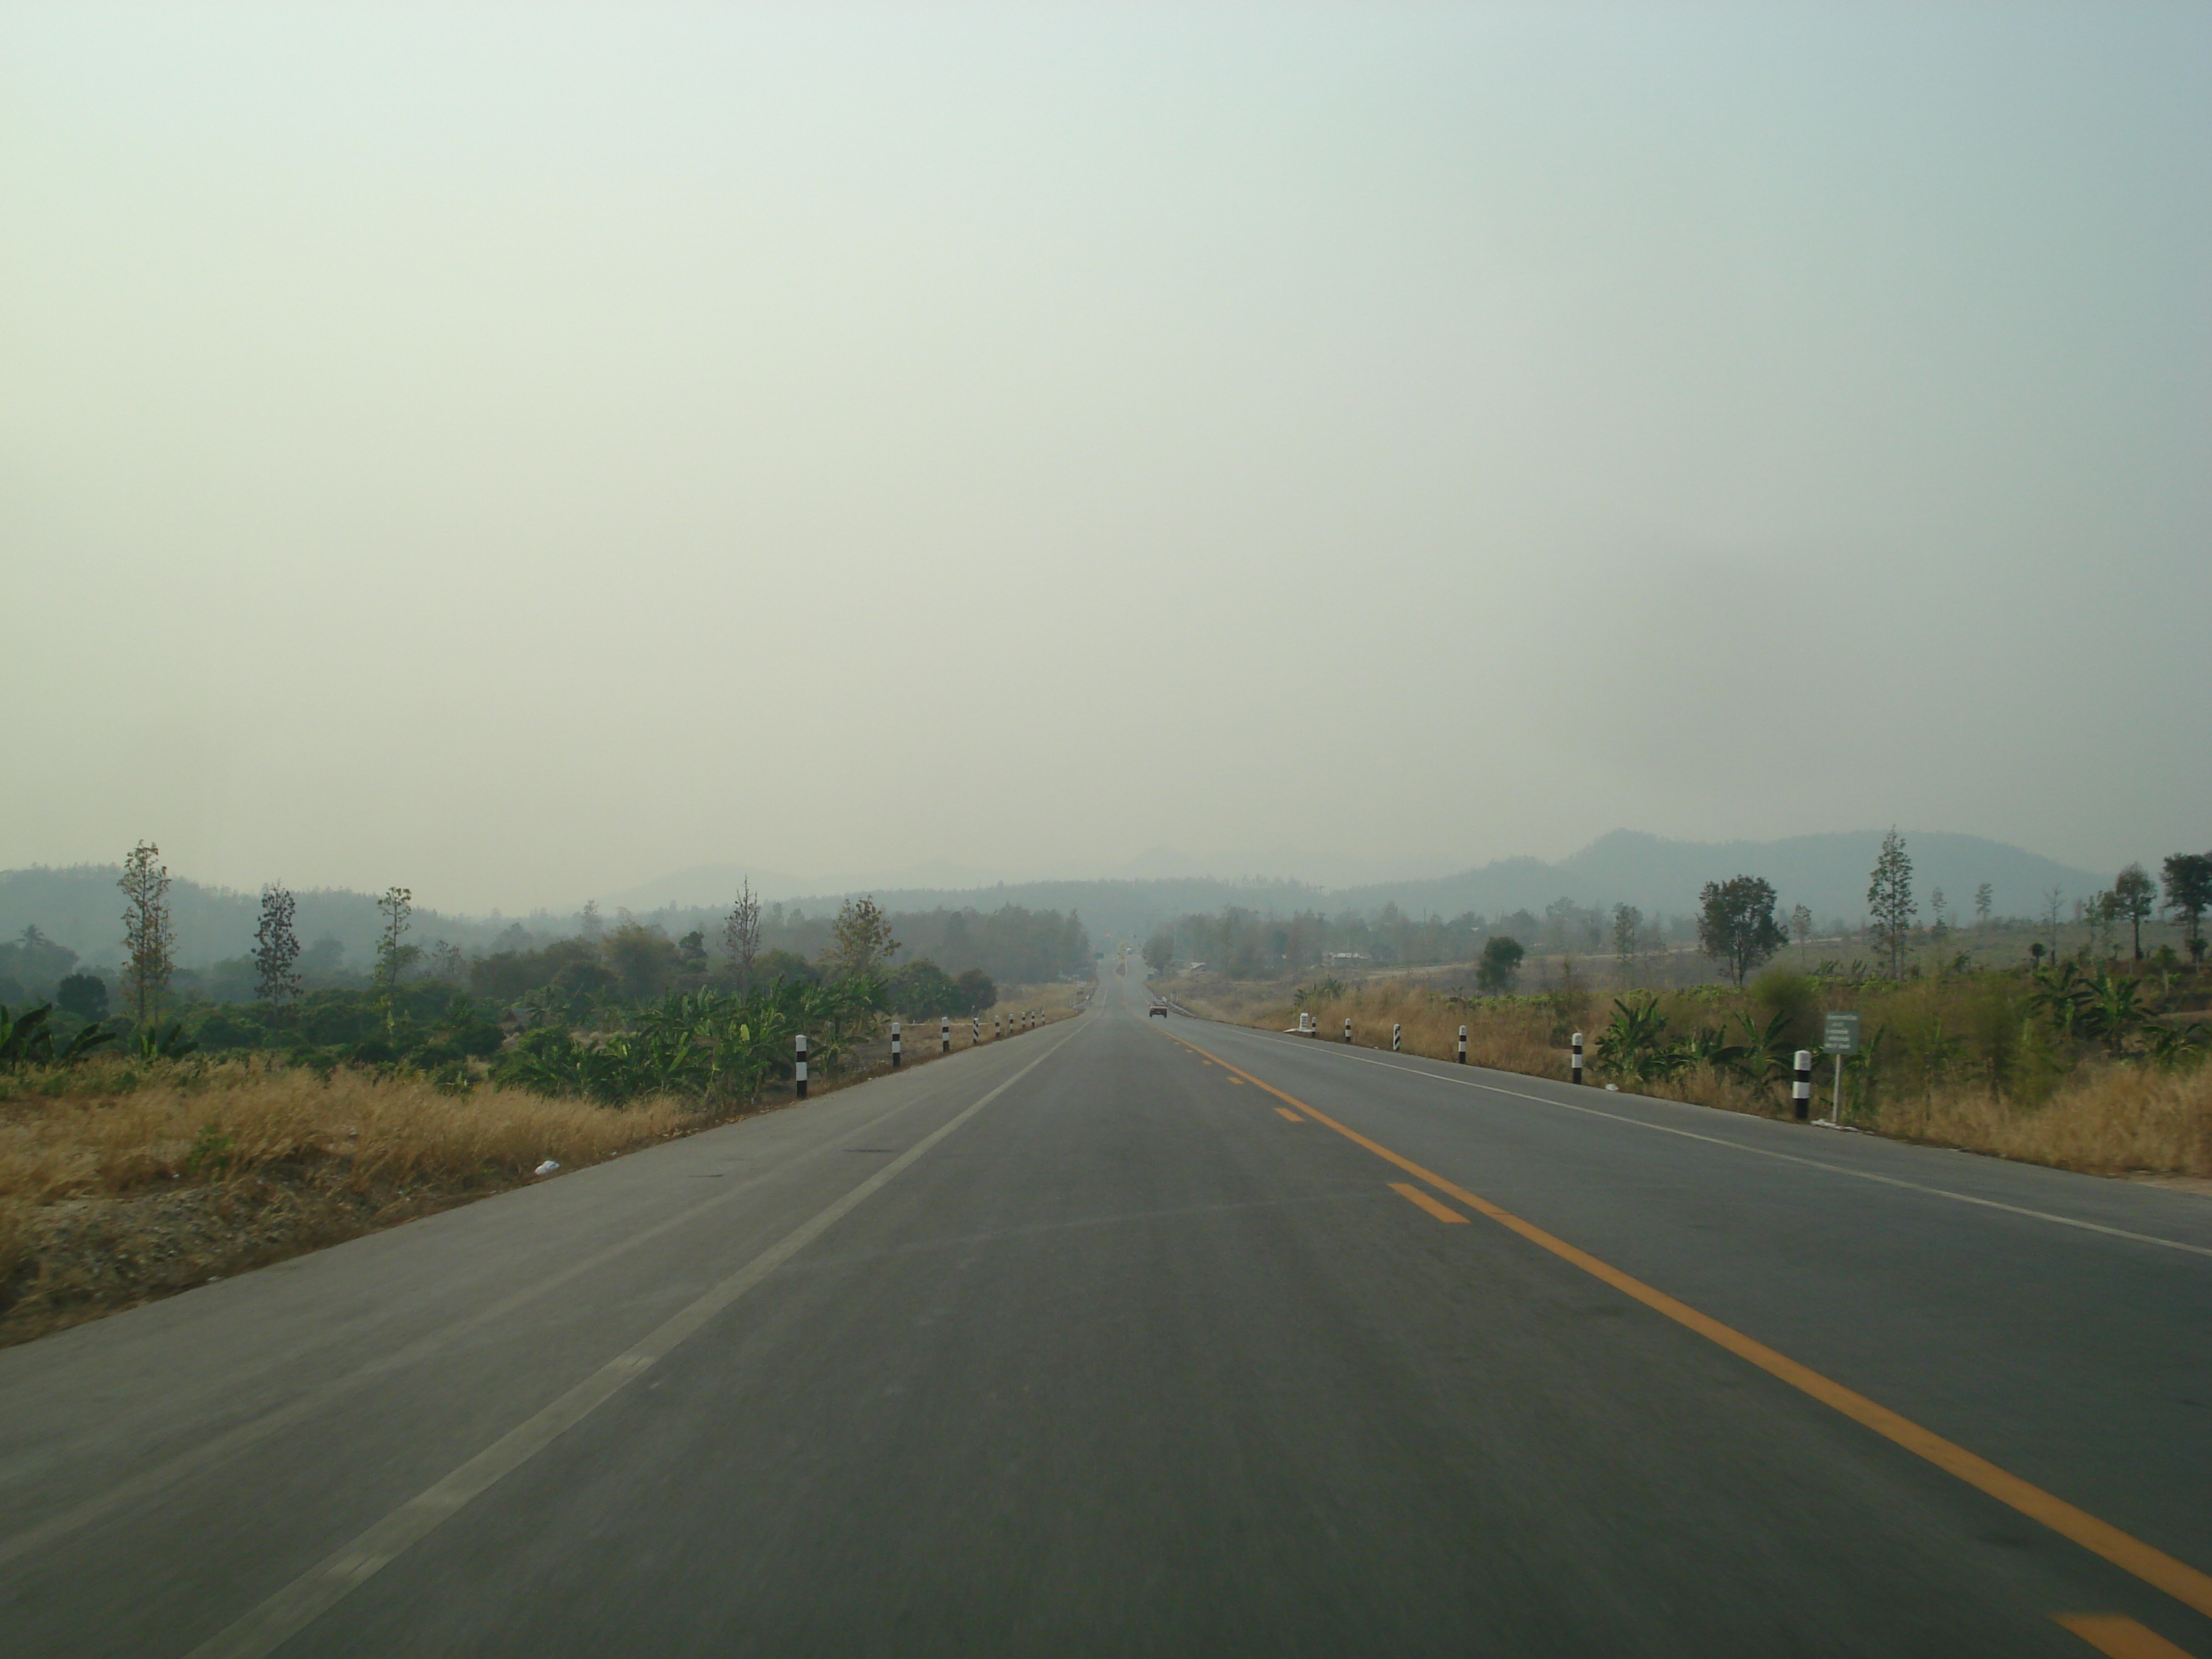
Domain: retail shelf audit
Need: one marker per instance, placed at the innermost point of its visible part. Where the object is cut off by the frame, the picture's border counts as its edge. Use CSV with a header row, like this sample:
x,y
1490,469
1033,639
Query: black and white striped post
x,y
1575,1065
896,1044
798,1070
1462,1045
945,1034
1800,1086
1396,1032
998,1026
1347,1028
974,1030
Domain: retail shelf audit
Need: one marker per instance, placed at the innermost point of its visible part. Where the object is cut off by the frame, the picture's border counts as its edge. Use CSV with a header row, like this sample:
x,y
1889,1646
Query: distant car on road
x,y
1161,1009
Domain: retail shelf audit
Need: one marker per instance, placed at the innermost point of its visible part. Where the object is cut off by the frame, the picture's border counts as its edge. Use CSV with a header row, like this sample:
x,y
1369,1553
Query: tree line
x,y
603,1013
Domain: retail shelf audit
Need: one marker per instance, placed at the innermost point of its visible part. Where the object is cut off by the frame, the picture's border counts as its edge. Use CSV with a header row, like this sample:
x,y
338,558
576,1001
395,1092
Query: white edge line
x,y
314,1592
1756,1152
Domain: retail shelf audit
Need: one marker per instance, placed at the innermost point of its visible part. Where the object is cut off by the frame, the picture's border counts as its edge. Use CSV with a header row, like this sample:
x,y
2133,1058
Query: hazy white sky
x,y
516,451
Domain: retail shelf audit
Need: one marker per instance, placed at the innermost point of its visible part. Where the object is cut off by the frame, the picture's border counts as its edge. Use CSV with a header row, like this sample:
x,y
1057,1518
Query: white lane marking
x,y
149,1482
1786,1157
314,1592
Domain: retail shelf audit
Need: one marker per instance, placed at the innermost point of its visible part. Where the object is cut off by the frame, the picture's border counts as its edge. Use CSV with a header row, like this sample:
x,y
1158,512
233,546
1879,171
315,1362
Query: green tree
x,y
2189,893
1499,963
1159,951
1889,900
1736,925
642,960
977,992
84,995
1985,900
921,990
860,938
149,939
1801,924
276,950
2133,893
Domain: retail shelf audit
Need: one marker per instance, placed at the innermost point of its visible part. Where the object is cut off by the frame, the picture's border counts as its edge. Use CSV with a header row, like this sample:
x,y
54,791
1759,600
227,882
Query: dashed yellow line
x,y
2119,1637
2186,1584
1442,1211
1291,1114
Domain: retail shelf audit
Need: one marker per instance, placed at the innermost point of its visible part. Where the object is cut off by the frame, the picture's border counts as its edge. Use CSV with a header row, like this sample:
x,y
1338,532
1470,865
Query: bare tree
x,y
2054,907
392,952
1627,923
148,937
1985,901
1801,924
275,950
741,930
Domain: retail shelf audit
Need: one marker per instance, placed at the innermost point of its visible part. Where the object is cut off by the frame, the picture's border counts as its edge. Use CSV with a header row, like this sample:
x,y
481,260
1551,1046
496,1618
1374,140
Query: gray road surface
x,y
1083,1344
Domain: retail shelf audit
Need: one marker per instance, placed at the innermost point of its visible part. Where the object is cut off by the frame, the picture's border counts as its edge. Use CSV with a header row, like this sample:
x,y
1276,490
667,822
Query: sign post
x,y
1839,1036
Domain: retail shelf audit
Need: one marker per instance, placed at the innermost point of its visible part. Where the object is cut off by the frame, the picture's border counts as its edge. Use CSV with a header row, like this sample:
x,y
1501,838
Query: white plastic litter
x,y
1613,1088
546,1167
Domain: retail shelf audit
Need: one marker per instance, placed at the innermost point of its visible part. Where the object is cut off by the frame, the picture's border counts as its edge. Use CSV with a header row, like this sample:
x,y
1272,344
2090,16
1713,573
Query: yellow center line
x,y
2119,1637
2130,1554
1442,1211
1291,1114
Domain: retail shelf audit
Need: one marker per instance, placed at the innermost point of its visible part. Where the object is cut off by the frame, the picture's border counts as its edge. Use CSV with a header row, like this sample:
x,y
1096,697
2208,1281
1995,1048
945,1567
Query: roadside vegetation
x,y
2094,1059
149,1141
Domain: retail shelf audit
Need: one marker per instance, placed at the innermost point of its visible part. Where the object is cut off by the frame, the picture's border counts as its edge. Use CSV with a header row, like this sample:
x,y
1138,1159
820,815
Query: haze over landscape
x,y
978,829
524,454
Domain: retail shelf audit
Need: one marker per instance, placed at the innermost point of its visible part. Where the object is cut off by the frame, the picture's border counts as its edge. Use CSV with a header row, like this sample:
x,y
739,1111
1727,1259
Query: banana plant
x,y
2111,1010
1635,1045
27,1039
154,1044
1765,1057
2173,1046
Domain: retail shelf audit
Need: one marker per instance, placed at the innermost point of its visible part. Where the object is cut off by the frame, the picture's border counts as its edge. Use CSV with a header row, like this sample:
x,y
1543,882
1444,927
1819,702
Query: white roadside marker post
x,y
1395,1031
998,1026
1347,1028
974,1030
1577,1063
945,1034
798,1071
896,1030
1462,1045
1800,1086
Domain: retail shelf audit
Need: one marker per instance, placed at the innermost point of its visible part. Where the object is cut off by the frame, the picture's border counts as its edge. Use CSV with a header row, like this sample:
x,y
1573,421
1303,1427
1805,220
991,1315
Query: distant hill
x,y
1827,873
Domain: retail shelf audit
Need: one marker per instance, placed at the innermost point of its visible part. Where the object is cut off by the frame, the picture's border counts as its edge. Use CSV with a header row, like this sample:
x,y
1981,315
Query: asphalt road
x,y
1135,1336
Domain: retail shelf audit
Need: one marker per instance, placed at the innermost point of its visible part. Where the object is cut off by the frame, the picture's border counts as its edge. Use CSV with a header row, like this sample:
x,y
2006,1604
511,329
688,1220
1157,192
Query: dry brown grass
x,y
2103,1118
117,1185
2111,1120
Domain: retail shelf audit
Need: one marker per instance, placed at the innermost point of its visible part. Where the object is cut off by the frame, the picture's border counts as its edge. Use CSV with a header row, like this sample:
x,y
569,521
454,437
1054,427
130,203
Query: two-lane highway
x,y
1135,1336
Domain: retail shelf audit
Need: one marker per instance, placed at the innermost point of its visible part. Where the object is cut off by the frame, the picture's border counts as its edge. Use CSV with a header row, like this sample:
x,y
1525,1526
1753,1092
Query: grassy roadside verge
x,y
122,1182
2001,1087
